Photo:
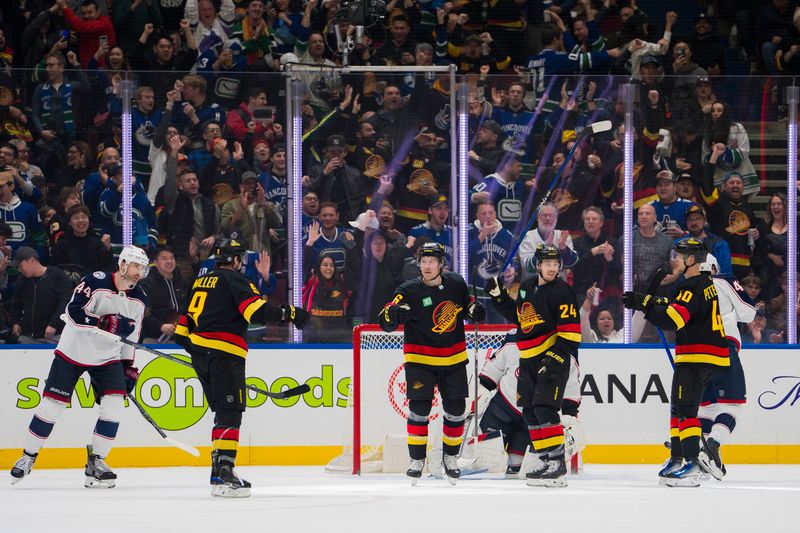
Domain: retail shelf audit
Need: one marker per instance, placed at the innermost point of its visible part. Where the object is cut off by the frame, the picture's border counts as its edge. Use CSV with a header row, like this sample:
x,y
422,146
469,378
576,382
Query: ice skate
x,y
686,476
672,464
23,467
551,472
512,471
710,460
98,474
228,484
451,470
415,470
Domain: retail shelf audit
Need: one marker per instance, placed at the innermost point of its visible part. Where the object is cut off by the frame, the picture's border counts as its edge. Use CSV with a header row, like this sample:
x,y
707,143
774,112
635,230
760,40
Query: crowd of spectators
x,y
209,147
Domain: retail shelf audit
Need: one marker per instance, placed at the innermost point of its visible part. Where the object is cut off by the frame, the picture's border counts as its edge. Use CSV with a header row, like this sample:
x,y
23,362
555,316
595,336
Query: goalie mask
x,y
133,255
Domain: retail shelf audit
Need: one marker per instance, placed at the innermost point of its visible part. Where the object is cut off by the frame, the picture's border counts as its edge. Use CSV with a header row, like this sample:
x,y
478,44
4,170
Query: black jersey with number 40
x,y
434,328
221,305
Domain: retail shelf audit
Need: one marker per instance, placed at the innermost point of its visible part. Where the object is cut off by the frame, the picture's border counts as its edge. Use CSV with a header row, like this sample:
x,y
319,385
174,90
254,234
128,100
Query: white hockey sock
x,y
105,431
45,417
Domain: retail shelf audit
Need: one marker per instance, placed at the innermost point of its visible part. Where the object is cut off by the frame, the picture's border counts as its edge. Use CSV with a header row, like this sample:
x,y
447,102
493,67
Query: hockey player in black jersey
x,y
700,350
549,334
433,308
112,302
221,305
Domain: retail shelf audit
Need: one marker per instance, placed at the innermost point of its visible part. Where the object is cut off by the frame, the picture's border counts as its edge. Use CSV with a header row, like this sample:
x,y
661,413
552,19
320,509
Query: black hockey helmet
x,y
432,249
692,246
546,251
227,250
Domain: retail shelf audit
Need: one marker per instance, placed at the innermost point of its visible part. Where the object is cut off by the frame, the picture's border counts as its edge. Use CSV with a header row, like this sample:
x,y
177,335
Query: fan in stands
x,y
433,307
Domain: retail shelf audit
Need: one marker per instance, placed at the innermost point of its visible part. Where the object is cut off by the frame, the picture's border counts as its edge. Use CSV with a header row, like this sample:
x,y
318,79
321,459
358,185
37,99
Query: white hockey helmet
x,y
710,265
134,254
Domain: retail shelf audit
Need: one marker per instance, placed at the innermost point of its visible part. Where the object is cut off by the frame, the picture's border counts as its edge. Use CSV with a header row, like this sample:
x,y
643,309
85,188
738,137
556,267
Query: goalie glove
x,y
574,438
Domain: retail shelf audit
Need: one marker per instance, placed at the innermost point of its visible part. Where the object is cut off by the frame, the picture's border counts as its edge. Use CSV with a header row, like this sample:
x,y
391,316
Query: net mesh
x,y
379,377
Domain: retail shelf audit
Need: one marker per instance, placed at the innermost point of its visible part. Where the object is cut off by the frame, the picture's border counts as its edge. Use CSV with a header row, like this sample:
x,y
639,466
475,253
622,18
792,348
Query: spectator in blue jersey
x,y
52,110
545,232
144,120
289,25
485,151
716,245
327,238
436,228
143,217
197,109
489,246
670,208
516,121
504,190
21,216
201,152
249,217
274,180
554,60
224,68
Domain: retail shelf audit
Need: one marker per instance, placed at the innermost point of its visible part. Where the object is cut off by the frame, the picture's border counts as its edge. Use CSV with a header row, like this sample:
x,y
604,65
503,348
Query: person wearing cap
x,y
336,181
143,216
400,47
684,187
670,208
640,49
486,153
708,45
40,296
504,190
476,51
716,245
436,228
250,216
21,215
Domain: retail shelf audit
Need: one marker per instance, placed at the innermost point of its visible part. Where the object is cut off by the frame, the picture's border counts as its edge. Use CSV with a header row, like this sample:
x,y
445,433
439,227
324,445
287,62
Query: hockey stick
x,y
288,393
475,372
591,129
185,447
652,287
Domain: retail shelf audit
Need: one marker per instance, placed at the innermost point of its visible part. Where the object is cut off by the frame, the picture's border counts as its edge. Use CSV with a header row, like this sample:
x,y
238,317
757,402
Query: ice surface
x,y
604,498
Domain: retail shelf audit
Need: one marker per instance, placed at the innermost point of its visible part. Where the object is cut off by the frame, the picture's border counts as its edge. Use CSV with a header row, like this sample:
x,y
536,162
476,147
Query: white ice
x,y
604,498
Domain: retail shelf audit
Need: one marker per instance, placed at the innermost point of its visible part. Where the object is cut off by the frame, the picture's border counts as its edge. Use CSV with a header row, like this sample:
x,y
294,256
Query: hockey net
x,y
376,439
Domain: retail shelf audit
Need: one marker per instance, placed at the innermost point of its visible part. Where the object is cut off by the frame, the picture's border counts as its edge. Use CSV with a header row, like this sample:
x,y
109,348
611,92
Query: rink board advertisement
x,y
624,413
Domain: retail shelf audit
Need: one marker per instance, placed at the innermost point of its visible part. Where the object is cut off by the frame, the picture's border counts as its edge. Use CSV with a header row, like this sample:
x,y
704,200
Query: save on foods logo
x,y
173,396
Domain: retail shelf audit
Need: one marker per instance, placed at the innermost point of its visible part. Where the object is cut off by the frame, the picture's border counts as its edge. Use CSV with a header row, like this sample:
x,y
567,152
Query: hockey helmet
x,y
432,249
134,254
227,250
692,246
544,252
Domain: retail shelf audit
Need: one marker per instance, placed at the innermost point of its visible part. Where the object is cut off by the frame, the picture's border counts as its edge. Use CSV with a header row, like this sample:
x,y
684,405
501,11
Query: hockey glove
x,y
635,301
131,375
476,310
495,289
396,313
297,315
116,324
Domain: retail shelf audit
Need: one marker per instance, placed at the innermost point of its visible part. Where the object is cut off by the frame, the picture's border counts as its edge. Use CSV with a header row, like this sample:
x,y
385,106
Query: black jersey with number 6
x,y
434,328
221,305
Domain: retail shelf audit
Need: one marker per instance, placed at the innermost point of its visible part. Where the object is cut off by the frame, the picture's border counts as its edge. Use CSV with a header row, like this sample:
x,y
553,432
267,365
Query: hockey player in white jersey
x,y
726,392
501,412
115,303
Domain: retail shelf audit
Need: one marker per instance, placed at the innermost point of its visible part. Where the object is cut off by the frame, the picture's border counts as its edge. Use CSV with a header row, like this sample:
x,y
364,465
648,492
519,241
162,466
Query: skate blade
x,y
226,491
693,481
534,482
710,467
94,483
452,480
555,483
15,480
